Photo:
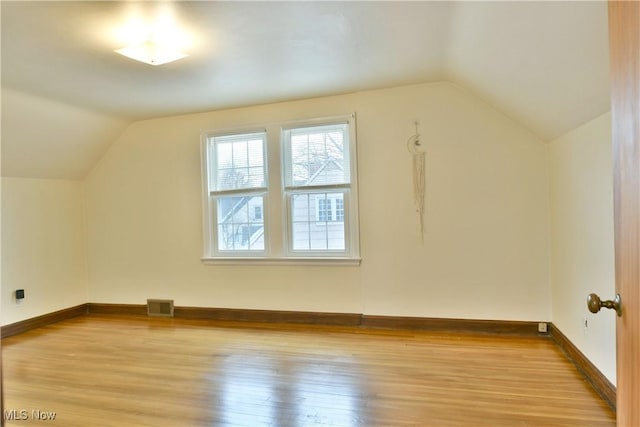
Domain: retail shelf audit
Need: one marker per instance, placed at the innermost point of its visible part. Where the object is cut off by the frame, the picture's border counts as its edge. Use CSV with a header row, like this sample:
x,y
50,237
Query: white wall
x,y
43,247
486,250
582,239
486,244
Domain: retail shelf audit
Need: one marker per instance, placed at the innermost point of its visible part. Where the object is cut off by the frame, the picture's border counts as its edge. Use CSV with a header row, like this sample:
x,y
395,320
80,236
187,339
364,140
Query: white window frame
x,y
212,195
276,205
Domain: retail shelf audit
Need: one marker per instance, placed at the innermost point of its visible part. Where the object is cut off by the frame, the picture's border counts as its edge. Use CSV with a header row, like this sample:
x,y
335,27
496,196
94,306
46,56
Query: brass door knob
x,y
595,304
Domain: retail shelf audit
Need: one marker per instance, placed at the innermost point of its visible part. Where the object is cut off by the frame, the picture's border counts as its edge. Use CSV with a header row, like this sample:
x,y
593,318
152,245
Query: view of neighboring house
x,y
318,218
314,173
242,224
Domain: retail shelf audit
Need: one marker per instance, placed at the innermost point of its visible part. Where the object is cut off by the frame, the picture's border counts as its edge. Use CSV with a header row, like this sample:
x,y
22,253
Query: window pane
x,y
255,153
318,237
239,162
335,236
240,223
240,154
301,208
316,224
317,156
301,236
224,155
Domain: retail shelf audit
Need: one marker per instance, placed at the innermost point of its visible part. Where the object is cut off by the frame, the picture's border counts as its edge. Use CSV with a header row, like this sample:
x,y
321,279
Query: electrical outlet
x,y
18,296
542,327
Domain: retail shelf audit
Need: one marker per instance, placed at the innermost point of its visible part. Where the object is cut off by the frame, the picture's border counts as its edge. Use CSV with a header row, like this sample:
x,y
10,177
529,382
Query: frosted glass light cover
x,y
151,53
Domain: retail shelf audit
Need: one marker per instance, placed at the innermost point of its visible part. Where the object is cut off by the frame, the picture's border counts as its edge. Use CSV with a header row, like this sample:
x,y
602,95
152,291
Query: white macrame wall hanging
x,y
418,154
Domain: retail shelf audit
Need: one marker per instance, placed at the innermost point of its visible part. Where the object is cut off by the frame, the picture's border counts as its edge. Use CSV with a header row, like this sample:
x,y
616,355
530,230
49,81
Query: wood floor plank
x,y
101,370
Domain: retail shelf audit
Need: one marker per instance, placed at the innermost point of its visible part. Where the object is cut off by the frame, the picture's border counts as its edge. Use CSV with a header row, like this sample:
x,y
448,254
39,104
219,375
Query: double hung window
x,y
237,187
317,180
286,192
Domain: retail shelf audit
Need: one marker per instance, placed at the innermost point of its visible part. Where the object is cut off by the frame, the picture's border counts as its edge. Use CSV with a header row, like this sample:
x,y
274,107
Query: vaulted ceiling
x,y
66,95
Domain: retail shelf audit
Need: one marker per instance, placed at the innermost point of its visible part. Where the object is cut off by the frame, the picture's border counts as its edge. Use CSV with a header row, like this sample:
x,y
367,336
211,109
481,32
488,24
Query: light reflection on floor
x,y
326,398
273,391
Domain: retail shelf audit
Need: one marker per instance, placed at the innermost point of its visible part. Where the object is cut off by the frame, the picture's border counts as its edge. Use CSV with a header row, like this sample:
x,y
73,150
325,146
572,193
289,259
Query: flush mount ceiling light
x,y
151,53
152,41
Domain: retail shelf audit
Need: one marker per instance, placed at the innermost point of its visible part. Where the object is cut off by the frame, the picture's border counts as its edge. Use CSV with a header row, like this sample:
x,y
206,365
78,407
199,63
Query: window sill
x,y
281,261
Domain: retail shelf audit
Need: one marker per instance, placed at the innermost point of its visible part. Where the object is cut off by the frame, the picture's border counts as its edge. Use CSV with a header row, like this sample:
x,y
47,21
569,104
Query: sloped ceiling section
x,y
66,94
545,64
48,139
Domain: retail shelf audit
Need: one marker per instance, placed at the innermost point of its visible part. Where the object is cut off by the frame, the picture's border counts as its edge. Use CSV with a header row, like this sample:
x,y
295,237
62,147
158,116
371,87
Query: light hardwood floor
x,y
136,371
